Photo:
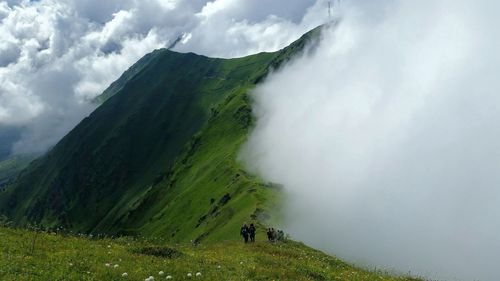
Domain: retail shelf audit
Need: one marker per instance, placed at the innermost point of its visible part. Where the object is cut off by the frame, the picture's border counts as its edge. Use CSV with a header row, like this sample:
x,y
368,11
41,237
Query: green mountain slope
x,y
119,84
158,157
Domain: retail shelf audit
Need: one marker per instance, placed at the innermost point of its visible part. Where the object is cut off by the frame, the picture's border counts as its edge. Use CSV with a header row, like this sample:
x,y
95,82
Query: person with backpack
x,y
273,235
251,231
244,232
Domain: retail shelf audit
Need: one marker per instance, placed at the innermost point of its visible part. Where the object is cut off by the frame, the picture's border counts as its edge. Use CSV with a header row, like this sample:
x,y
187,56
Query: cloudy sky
x,y
57,55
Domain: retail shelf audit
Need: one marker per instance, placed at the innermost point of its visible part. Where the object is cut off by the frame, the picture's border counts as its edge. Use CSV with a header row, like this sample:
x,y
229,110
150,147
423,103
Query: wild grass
x,y
58,257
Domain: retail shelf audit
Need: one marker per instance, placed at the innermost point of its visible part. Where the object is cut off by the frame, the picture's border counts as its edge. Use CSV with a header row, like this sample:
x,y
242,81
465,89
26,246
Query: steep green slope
x,y
158,157
119,84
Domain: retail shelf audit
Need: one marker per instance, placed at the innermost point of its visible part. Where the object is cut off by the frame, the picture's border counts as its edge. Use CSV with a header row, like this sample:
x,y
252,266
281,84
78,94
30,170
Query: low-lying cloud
x,y
386,138
57,56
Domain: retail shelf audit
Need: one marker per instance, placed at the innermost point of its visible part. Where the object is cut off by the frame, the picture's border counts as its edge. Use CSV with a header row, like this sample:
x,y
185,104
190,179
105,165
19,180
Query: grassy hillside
x,y
55,257
158,157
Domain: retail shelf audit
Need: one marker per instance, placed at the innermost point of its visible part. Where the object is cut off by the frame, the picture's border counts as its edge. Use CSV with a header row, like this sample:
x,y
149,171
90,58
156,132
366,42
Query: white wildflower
x,y
198,274
116,266
169,277
108,265
189,275
125,274
161,273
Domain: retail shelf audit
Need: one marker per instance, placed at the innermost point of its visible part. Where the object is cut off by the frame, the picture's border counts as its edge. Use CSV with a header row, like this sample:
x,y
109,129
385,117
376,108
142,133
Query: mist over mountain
x,y
386,138
8,136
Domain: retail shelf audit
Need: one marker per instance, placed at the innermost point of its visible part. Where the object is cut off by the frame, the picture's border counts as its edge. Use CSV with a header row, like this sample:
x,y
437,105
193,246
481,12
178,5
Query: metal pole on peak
x,y
329,10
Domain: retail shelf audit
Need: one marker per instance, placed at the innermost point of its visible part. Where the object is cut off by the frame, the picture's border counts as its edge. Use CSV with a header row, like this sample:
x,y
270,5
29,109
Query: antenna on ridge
x,y
329,10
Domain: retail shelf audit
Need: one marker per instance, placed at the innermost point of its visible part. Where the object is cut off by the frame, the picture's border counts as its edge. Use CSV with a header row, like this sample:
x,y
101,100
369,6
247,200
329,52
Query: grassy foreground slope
x,y
70,258
158,157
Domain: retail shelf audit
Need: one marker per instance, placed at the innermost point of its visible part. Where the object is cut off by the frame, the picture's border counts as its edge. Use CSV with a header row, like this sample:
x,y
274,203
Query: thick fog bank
x,y
387,139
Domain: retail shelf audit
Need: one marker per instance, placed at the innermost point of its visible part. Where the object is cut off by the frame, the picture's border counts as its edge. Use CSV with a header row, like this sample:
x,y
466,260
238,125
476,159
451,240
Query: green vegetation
x,y
158,157
55,257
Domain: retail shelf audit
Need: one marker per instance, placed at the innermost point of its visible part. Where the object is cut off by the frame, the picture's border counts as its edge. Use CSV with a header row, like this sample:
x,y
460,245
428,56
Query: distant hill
x,y
12,166
8,136
158,157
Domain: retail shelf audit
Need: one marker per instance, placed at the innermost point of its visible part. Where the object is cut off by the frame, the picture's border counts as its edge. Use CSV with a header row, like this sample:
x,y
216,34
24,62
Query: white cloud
x,y
386,139
233,28
97,71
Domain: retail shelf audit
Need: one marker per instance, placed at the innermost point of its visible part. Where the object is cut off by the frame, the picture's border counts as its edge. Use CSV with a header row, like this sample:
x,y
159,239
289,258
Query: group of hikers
x,y
273,235
248,234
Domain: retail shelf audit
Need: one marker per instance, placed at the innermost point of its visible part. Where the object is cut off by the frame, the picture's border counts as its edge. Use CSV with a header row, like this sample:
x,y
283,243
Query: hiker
x,y
244,232
251,231
281,235
273,234
269,235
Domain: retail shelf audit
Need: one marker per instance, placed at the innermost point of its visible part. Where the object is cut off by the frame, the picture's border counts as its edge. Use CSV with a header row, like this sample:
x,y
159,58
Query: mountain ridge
x,y
158,157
